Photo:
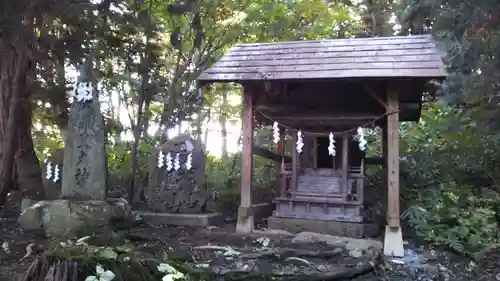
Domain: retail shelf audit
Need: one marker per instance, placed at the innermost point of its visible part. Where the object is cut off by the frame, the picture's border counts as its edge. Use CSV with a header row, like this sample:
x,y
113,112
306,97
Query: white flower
x,y
101,274
165,268
168,277
82,241
172,273
172,277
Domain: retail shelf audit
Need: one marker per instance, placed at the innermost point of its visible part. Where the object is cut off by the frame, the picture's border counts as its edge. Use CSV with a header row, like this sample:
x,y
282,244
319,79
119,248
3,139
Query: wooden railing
x,y
355,183
286,179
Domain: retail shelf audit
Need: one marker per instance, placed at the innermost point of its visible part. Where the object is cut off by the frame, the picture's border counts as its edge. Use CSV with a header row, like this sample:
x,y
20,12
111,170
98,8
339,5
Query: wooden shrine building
x,y
312,89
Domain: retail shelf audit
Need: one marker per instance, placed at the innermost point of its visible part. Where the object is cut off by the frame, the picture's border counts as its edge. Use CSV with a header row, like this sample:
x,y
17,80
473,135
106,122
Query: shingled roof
x,y
398,56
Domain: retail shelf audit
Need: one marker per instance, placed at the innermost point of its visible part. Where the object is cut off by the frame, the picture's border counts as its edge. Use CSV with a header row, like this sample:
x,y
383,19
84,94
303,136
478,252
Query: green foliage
x,y
450,177
459,221
126,261
119,159
223,178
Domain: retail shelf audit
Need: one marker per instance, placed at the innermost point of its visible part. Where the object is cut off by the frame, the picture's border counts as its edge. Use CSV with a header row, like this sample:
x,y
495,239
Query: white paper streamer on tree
x,y
48,170
161,159
57,171
83,91
361,140
177,162
331,146
300,142
276,132
169,162
189,161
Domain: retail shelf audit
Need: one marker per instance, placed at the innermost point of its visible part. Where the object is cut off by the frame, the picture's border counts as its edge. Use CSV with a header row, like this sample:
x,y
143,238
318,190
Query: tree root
x,y
283,253
277,253
344,274
43,269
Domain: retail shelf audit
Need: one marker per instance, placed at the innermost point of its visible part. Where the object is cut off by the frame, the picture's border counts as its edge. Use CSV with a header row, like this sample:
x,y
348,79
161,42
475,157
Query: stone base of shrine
x,y
204,219
262,210
336,228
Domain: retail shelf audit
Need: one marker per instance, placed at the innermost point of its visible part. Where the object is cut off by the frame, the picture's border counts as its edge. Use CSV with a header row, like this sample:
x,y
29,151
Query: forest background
x,y
150,52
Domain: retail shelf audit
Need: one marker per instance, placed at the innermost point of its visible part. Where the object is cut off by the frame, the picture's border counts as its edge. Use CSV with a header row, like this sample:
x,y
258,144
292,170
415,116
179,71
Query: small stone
x,y
322,268
26,203
396,261
338,251
442,268
356,253
497,277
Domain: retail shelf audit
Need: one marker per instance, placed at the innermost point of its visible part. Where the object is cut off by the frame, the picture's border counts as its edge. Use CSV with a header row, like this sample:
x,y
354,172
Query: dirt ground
x,y
444,267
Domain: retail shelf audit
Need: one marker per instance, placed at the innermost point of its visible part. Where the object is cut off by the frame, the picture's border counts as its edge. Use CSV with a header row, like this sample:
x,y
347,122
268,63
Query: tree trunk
x,y
223,120
18,162
205,133
27,167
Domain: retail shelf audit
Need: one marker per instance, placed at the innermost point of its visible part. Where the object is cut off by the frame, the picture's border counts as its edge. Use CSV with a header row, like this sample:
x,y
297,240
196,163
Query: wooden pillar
x,y
393,244
295,164
383,143
345,164
392,160
315,152
361,182
245,221
280,178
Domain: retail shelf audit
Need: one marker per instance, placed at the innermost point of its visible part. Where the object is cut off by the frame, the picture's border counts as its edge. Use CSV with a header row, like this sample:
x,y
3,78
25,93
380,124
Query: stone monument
x,y
178,190
85,166
83,205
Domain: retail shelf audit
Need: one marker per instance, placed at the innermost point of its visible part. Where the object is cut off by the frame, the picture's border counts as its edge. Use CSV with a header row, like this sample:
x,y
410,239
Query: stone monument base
x,y
336,228
202,219
65,218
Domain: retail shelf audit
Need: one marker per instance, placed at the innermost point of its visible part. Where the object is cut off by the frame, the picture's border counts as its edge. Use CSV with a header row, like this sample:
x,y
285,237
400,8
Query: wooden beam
x,y
393,159
316,114
374,95
245,221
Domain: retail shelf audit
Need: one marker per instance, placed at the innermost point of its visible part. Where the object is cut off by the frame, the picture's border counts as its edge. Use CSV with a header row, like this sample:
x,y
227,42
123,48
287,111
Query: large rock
x,y
183,190
85,169
61,218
